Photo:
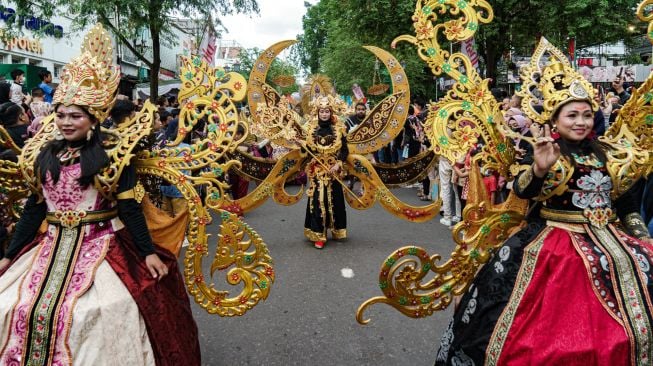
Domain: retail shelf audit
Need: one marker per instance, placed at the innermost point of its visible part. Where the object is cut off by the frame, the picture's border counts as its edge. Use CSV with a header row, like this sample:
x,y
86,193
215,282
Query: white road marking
x,y
347,273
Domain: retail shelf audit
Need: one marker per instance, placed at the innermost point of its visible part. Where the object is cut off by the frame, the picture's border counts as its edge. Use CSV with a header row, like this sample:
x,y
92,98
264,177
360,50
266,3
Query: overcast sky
x,y
278,20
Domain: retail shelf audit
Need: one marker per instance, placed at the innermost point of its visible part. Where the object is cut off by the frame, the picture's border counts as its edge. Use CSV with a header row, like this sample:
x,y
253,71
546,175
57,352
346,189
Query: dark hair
x,y
360,103
44,74
411,110
121,110
161,100
164,114
4,92
175,112
38,92
92,159
10,113
587,144
16,73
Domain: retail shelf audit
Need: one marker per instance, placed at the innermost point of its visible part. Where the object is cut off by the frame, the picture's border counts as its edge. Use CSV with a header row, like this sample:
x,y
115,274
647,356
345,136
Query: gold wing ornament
x,y
207,101
13,187
630,137
467,114
276,121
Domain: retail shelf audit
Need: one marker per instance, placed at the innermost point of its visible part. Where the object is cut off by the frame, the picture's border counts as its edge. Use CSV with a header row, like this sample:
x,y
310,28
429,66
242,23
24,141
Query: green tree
x,y
126,19
334,30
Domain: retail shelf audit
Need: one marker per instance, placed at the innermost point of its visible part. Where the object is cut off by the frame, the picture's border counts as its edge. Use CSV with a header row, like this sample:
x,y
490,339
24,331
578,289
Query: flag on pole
x,y
468,48
208,46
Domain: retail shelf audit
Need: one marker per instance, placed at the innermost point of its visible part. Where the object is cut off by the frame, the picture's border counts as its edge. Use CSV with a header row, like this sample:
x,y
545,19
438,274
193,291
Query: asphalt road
x,y
309,318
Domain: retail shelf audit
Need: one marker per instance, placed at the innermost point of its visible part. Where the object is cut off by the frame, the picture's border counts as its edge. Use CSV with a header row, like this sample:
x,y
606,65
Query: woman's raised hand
x,y
545,151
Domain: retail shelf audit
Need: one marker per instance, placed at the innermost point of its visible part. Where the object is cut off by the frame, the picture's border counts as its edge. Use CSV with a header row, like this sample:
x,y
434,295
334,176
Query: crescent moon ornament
x,y
387,118
255,92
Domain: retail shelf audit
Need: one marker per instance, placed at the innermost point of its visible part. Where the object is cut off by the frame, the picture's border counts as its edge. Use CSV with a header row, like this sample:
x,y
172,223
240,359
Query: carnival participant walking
x,y
326,141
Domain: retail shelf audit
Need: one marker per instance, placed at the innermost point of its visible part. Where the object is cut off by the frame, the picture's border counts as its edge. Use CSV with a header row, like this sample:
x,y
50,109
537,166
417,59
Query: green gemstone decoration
x,y
215,195
441,1
426,267
446,288
467,105
490,120
264,284
426,10
383,285
474,254
501,147
485,229
197,61
464,79
431,51
444,140
446,67
248,258
443,113
649,119
403,300
505,218
462,4
412,251
219,74
225,215
212,127
648,97
425,299
390,261
472,26
188,75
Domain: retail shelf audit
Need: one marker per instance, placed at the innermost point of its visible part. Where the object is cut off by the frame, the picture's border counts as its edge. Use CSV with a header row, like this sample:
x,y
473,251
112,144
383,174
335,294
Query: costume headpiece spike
x,y
91,80
550,76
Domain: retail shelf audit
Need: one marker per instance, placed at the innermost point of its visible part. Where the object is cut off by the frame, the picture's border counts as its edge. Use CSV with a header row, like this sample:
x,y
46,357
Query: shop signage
x,y
32,23
22,43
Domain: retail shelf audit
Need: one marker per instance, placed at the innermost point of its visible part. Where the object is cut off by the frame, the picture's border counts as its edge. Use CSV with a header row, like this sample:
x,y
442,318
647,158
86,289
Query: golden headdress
x,y
337,105
91,80
554,80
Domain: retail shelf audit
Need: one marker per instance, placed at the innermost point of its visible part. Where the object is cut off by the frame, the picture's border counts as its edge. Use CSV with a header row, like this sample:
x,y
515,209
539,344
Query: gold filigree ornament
x,y
13,186
483,230
91,80
468,113
208,94
635,119
549,76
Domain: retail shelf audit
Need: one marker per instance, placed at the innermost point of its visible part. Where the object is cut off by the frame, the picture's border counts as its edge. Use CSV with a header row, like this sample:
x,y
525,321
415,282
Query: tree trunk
x,y
156,66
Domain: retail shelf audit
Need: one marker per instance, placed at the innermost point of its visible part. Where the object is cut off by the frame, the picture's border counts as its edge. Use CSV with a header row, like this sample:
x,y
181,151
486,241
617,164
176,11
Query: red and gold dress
x,y
571,288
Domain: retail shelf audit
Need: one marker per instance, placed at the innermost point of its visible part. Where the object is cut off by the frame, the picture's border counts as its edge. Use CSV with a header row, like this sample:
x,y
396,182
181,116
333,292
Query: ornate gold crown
x,y
337,105
91,80
554,80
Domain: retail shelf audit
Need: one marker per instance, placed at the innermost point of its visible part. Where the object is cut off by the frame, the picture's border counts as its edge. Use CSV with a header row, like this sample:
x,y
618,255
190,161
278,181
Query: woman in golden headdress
x,y
327,142
92,289
570,288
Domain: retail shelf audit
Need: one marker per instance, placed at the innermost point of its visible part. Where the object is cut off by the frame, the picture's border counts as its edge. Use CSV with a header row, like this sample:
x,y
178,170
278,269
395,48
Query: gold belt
x,y
580,217
72,218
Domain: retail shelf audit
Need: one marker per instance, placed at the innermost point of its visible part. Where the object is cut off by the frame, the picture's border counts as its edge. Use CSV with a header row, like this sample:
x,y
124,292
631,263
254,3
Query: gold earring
x,y
58,135
89,135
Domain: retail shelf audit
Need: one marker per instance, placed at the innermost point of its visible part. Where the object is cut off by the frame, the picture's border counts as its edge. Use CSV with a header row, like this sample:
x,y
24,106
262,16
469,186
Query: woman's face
x,y
73,122
324,114
157,122
575,121
513,123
